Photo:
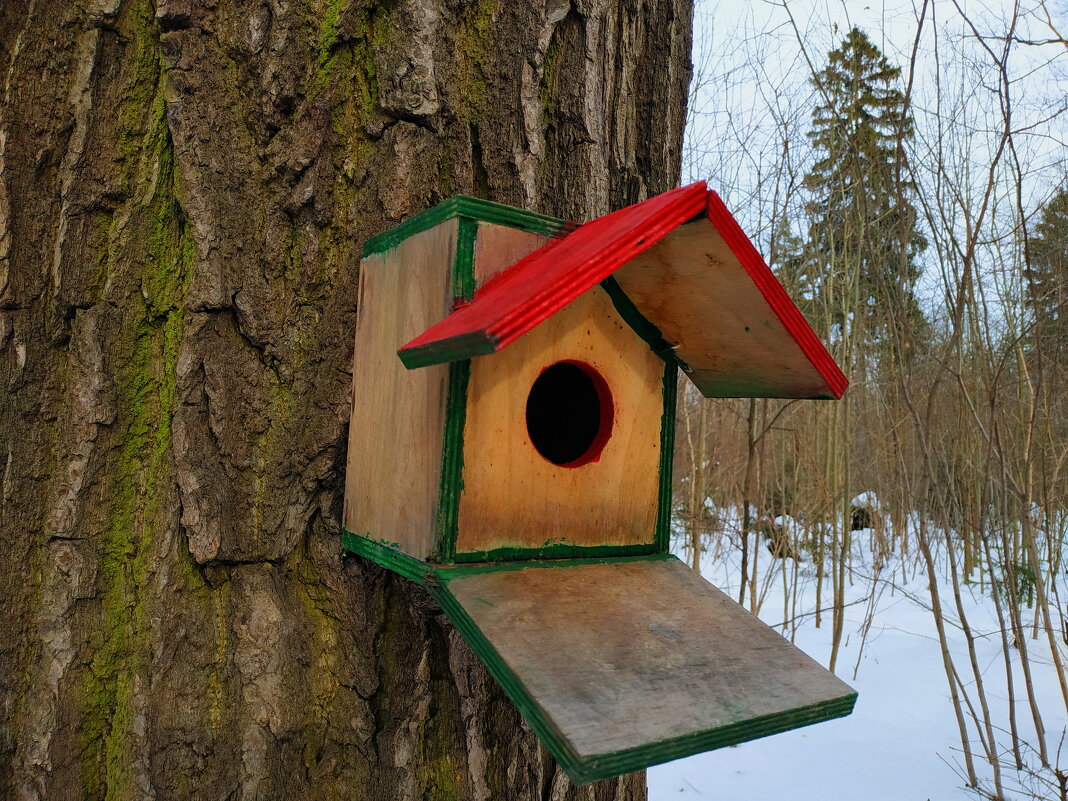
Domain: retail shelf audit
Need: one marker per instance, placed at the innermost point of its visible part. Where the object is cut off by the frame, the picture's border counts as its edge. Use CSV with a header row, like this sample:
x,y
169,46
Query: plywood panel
x,y
693,288
498,247
641,657
395,432
512,496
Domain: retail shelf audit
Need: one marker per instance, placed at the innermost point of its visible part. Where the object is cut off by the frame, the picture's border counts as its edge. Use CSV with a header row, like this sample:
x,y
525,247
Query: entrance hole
x,y
569,414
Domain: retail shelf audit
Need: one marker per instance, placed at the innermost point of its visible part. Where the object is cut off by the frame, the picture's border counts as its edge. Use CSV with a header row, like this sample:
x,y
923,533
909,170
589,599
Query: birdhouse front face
x,y
556,446
563,441
510,449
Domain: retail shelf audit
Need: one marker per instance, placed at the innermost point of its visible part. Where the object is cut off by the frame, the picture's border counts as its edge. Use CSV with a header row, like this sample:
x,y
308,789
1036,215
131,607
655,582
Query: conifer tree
x,y
859,258
1047,278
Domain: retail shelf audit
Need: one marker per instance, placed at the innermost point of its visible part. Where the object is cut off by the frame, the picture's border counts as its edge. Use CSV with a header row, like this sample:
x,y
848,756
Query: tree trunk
x,y
185,188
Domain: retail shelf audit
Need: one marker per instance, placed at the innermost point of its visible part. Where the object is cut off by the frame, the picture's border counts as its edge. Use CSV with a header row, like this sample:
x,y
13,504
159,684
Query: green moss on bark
x,y
344,55
473,39
141,83
441,771
145,385
323,679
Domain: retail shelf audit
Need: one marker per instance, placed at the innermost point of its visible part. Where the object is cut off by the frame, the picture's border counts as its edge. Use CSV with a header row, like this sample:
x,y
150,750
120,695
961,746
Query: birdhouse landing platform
x,y
510,449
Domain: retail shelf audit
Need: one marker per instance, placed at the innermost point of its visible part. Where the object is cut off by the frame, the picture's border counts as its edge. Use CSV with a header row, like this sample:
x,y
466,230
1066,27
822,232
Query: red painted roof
x,y
536,287
542,283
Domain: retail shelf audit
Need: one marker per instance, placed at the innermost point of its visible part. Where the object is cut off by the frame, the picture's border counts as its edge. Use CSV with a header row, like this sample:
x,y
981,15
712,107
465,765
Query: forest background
x,y
903,169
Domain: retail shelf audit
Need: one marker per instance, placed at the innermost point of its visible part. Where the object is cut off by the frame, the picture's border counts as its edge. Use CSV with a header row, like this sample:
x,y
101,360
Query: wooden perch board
x,y
621,664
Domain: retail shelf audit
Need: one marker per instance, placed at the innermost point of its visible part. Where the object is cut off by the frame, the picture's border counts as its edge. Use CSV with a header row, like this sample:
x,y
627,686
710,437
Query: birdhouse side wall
x,y
397,423
483,250
516,503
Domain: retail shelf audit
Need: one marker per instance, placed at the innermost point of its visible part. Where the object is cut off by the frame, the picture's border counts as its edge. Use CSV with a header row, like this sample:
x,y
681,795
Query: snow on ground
x,y
902,742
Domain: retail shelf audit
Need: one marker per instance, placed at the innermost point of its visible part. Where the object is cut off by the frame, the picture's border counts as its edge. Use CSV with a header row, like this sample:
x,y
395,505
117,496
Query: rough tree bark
x,y
185,187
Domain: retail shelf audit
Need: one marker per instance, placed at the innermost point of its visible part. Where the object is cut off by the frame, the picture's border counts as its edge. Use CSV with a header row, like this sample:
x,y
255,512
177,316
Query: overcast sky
x,y
751,100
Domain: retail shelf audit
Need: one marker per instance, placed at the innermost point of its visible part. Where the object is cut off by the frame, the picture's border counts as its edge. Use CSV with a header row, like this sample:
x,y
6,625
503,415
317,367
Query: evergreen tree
x,y
1047,277
859,259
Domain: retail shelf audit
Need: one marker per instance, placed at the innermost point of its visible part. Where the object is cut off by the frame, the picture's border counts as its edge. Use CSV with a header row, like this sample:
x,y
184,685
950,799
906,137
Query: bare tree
x,y
961,442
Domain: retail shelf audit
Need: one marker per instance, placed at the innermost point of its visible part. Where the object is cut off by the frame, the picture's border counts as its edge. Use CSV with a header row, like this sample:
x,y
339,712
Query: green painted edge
x,y
463,265
549,735
642,326
558,550
387,555
451,483
460,570
604,766
449,350
662,537
584,770
475,209
672,364
452,460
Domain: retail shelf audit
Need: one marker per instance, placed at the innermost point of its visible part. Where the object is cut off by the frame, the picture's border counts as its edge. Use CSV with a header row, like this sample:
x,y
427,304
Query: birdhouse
x,y
510,449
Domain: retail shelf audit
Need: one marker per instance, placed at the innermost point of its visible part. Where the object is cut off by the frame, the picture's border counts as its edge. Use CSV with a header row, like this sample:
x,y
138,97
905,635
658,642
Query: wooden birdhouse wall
x,y
398,415
515,500
406,426
498,247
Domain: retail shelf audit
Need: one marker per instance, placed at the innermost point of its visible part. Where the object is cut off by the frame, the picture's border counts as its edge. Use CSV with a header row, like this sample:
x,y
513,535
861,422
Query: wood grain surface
x,y
693,288
395,432
631,654
498,247
775,294
513,497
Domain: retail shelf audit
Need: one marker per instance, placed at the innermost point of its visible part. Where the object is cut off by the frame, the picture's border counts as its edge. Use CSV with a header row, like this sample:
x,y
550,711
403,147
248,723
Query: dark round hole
x,y
569,414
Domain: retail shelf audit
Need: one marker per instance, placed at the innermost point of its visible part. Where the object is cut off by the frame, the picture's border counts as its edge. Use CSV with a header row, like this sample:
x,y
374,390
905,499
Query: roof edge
x,y
444,351
603,766
610,241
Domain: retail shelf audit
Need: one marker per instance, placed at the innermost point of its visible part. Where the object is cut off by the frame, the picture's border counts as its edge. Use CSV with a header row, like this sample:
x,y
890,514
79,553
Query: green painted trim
x,y
586,769
554,551
463,265
460,570
667,457
452,460
641,324
449,350
474,209
387,555
452,446
605,766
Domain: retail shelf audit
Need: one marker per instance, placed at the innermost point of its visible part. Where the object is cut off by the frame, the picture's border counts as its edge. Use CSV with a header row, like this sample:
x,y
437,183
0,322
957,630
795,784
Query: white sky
x,y
751,103
748,59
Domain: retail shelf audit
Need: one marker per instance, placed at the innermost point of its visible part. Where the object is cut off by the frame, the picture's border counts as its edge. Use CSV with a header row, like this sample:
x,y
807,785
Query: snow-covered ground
x,y
902,741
